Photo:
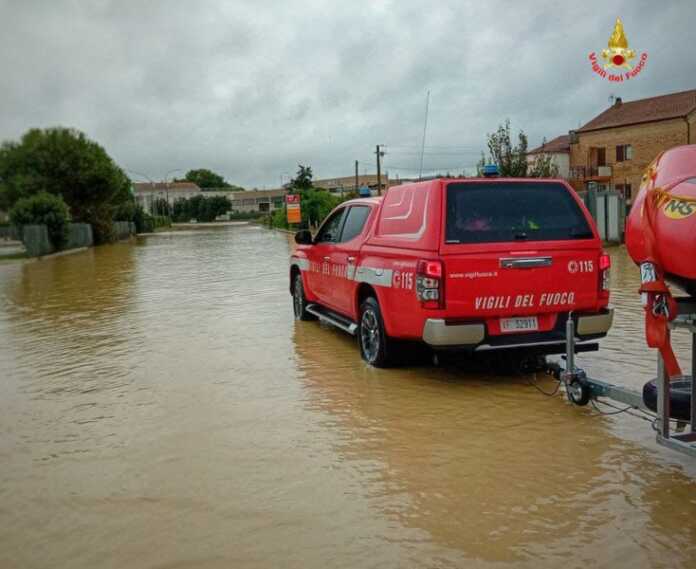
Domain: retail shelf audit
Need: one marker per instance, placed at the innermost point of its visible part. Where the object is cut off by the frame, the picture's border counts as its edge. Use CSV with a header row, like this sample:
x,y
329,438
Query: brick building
x,y
263,201
616,146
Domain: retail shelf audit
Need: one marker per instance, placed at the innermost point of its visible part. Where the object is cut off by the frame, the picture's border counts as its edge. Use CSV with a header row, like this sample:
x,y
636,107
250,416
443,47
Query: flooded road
x,y
160,408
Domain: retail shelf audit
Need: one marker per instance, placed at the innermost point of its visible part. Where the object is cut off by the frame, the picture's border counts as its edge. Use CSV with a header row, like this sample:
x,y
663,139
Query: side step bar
x,y
326,315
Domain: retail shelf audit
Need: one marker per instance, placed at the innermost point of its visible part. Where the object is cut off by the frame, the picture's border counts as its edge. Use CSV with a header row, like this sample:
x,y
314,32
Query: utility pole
x,y
379,170
356,177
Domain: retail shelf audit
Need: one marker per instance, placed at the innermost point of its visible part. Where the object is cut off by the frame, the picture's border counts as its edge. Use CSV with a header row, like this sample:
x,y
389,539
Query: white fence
x,y
609,212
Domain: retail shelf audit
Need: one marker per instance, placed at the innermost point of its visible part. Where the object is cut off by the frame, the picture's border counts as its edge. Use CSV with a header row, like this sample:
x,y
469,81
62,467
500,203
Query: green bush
x,y
64,162
126,211
162,221
145,224
279,219
43,209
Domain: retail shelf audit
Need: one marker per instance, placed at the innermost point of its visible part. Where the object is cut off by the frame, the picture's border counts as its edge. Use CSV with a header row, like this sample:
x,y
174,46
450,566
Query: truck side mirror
x,y
303,237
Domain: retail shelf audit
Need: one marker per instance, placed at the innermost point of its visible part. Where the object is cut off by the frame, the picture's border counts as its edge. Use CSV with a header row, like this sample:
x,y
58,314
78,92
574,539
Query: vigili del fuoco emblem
x,y
618,58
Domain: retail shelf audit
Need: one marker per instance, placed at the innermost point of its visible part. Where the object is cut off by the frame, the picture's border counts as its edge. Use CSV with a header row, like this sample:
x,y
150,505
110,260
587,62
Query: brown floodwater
x,y
160,408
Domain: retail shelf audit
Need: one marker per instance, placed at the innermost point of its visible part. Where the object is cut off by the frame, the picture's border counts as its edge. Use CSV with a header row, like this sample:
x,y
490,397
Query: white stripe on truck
x,y
374,276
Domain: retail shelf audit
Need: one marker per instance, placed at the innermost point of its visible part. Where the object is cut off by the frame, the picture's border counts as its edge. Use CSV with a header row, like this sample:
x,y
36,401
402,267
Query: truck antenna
x,y
425,128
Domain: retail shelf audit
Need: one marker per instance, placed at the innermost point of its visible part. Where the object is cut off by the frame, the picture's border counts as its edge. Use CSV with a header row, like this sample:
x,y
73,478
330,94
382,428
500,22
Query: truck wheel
x,y
375,346
299,302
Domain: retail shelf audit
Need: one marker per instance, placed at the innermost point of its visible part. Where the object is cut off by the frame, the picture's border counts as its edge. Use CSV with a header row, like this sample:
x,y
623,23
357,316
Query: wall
x,y
79,235
10,232
36,241
124,229
647,140
692,128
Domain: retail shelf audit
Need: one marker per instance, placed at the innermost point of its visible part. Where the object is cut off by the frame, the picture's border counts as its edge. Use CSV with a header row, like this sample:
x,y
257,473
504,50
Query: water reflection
x,y
78,311
490,469
160,407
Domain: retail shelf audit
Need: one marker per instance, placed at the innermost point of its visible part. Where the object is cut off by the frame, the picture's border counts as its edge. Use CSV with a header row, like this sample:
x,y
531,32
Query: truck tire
x,y
375,346
299,301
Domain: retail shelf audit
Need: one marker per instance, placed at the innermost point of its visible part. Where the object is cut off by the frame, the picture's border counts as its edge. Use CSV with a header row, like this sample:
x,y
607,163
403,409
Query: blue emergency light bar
x,y
490,171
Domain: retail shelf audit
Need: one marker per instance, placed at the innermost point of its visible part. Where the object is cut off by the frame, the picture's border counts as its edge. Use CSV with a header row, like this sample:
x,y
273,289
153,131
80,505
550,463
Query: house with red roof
x,y
614,148
558,149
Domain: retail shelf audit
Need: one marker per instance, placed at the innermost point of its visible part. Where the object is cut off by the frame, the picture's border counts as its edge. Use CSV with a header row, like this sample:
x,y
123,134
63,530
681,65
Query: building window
x,y
624,190
598,156
624,152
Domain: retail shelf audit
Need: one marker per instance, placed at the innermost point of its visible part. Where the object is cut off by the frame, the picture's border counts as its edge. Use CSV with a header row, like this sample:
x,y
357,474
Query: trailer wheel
x,y
679,397
578,392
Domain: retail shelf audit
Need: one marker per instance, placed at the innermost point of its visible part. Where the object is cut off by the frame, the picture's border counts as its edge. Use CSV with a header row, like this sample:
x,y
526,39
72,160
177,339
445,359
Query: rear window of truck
x,y
512,211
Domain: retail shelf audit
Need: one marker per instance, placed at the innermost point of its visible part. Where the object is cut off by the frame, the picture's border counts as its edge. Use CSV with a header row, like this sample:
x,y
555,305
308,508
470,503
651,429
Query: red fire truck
x,y
474,265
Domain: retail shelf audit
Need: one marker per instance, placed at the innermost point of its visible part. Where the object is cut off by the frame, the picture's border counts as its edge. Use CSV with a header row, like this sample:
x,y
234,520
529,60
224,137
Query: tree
x,y
43,209
161,207
316,205
511,160
303,179
201,208
205,178
131,211
543,167
64,162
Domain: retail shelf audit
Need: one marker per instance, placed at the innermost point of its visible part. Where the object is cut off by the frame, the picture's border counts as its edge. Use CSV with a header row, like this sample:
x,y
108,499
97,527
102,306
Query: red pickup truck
x,y
477,264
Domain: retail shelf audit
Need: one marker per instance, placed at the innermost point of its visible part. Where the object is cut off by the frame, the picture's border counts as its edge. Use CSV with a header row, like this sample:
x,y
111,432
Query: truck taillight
x,y
430,284
604,271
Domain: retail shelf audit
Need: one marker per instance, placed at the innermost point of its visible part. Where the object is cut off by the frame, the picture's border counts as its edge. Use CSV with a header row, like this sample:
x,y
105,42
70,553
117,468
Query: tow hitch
x,y
574,379
582,389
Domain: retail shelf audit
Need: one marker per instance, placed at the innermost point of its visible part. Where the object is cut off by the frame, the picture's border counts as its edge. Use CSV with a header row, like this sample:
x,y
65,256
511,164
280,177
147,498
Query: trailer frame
x,y
581,389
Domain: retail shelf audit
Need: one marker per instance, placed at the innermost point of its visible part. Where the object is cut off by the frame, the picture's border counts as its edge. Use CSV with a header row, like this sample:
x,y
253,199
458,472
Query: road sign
x,y
292,205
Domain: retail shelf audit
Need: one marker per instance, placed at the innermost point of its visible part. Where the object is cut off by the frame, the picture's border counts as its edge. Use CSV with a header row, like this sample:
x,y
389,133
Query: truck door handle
x,y
351,259
525,263
327,258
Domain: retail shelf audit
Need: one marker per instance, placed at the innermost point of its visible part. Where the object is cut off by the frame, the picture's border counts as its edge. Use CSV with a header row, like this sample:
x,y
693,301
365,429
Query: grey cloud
x,y
252,88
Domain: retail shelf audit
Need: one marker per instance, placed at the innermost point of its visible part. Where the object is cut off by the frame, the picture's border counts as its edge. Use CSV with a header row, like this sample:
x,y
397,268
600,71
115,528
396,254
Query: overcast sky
x,y
251,89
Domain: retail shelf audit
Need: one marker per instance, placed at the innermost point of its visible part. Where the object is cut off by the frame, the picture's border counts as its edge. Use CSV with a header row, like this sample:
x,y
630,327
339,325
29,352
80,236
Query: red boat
x,y
670,218
661,238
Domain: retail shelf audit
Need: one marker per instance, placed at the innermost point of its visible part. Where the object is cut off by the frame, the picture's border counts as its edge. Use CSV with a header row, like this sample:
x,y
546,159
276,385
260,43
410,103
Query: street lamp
x,y
147,178
166,183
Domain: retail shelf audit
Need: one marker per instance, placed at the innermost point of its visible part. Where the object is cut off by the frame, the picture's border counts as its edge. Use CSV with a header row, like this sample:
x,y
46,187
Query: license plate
x,y
527,324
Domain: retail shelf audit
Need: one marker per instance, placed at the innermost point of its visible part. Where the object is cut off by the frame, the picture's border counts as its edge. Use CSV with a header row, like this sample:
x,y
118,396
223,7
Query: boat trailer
x,y
581,389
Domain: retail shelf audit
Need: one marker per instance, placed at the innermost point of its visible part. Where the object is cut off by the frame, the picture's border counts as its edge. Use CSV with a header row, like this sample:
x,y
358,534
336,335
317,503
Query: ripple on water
x,y
161,407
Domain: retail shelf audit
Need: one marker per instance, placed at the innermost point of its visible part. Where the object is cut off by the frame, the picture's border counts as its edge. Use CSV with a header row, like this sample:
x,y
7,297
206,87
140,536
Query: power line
x,y
460,153
446,146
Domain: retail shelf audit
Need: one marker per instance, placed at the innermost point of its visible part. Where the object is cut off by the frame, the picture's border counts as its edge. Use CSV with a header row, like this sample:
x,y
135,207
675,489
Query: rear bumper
x,y
594,324
439,334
